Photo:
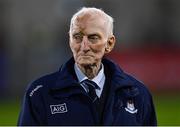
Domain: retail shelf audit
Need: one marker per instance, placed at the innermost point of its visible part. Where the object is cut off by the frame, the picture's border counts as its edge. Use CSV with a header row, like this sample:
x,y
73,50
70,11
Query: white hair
x,y
92,11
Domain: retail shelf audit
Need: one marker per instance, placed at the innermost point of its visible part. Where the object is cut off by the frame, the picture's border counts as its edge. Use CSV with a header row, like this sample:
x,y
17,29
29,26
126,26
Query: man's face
x,y
88,40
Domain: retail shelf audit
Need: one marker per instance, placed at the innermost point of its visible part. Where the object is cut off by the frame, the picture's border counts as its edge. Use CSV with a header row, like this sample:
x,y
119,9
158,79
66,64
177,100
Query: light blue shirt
x,y
99,79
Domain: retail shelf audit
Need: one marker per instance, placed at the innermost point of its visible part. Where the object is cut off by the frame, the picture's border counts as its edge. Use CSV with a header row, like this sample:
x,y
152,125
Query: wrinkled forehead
x,y
84,17
83,21
89,19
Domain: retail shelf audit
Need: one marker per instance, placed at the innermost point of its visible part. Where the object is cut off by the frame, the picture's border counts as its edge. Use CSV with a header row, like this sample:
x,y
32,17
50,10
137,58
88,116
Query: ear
x,y
110,44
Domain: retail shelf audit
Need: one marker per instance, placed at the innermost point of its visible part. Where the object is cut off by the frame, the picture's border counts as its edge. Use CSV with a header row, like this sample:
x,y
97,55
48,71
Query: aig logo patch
x,y
61,108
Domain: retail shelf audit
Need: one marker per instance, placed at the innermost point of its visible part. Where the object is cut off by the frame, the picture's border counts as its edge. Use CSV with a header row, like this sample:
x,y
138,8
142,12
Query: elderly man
x,y
88,89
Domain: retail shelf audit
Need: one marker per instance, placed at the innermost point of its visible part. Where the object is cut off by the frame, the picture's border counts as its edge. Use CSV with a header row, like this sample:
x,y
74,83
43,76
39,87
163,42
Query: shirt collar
x,y
98,79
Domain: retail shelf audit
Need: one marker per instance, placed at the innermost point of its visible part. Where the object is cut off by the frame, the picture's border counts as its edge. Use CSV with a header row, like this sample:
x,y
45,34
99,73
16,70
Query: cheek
x,y
74,48
99,49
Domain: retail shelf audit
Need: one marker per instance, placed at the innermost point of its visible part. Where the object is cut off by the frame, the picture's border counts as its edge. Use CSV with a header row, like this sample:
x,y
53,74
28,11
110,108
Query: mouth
x,y
84,55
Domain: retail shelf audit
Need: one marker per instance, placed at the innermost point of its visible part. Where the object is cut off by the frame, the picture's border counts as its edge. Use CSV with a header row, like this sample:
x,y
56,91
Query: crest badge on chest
x,y
130,107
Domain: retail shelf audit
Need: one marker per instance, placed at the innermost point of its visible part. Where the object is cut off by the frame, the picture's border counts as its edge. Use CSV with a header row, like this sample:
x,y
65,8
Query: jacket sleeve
x,y
32,109
149,112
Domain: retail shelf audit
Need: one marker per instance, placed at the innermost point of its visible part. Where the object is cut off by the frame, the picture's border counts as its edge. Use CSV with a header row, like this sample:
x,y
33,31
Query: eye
x,y
93,38
78,37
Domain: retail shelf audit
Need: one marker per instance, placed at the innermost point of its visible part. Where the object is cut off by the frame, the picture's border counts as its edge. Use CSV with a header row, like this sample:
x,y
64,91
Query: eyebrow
x,y
91,34
77,33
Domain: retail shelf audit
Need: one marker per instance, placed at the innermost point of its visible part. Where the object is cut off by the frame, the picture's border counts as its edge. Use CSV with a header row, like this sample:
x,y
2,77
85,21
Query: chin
x,y
85,62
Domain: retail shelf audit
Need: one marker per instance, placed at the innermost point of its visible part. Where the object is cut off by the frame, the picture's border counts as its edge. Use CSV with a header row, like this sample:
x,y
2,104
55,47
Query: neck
x,y
90,70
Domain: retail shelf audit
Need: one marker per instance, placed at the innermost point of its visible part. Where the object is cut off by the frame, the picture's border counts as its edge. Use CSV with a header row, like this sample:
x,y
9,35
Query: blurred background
x,y
34,42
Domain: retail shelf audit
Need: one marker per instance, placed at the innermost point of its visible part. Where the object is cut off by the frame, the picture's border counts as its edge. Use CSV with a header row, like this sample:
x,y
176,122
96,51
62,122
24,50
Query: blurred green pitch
x,y
167,108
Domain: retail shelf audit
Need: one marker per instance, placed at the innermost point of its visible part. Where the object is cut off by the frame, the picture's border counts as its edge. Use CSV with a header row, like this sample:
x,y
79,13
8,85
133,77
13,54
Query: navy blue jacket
x,y
58,99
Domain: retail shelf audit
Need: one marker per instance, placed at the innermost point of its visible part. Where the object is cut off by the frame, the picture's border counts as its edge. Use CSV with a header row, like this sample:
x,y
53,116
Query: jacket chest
x,y
72,110
79,110
127,110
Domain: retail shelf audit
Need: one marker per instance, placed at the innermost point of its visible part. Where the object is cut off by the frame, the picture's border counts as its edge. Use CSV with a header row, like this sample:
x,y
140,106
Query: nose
x,y
85,44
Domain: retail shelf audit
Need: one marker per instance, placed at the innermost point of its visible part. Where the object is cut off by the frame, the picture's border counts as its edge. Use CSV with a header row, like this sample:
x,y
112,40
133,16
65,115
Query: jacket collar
x,y
118,77
120,80
66,76
68,79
